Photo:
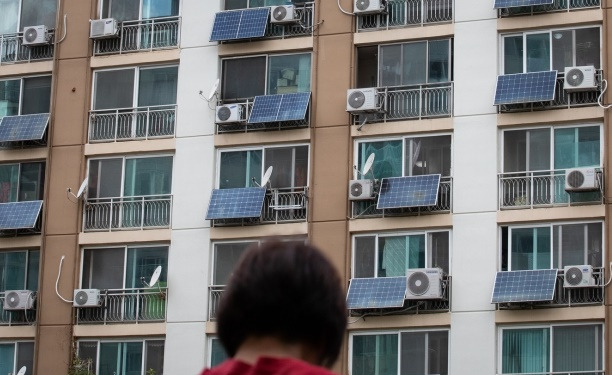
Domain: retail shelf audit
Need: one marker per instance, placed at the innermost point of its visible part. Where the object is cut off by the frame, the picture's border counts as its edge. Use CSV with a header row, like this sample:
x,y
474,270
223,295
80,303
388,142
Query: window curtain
x,y
120,358
531,248
7,358
159,8
142,262
525,350
577,147
157,86
538,52
413,353
9,14
577,348
9,177
401,253
239,168
147,176
375,355
387,158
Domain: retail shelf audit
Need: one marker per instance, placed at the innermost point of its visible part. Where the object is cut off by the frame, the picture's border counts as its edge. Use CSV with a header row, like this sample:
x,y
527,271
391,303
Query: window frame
x,y
43,170
209,347
20,27
101,14
119,341
15,353
26,268
22,92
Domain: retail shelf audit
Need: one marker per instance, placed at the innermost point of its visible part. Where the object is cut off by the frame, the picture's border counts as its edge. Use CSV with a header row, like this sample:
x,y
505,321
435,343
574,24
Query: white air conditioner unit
x,y
580,78
361,189
362,100
581,179
103,28
368,6
229,113
18,300
578,276
87,298
283,14
424,283
35,35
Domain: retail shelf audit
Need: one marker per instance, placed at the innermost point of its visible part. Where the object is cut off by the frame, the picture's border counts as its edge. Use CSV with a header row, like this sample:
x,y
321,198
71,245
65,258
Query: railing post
x,y
116,124
147,122
110,216
142,212
137,312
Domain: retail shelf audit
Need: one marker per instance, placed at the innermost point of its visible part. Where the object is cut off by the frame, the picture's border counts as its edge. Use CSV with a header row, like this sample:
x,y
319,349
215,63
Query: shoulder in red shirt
x,y
267,366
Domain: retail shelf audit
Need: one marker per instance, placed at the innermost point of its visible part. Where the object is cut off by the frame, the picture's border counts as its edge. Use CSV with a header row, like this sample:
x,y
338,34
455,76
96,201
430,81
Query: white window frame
x,y
14,343
21,86
130,340
101,7
27,263
43,169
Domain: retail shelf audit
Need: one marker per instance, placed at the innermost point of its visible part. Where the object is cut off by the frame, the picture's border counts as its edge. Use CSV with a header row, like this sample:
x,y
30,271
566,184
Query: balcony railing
x,y
132,123
556,6
562,99
281,205
108,214
245,127
402,13
411,103
214,296
142,35
304,26
16,317
519,190
367,208
12,50
126,306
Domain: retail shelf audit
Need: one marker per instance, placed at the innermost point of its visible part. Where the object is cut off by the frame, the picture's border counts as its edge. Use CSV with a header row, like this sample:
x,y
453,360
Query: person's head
x,y
288,291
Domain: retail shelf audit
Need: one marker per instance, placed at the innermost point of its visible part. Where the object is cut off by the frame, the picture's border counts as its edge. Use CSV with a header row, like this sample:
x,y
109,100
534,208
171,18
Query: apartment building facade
x,y
450,158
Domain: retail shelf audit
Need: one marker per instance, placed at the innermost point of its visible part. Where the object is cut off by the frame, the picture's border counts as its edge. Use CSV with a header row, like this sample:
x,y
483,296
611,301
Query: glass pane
x,y
563,49
142,262
115,88
33,266
148,176
103,268
9,14
594,244
538,52
159,8
31,181
390,68
105,178
12,270
414,63
539,149
110,358
243,78
154,359
387,161
235,4
577,147
439,61
36,95
577,348
413,353
281,159
572,244
587,47
217,353
399,253
157,86
565,148
530,248
375,355
428,155
38,12
367,66
124,10
7,358
226,256
132,362
363,257
300,175
25,356
9,179
289,74
513,54
239,168
10,92
515,151
525,351
88,351
588,146
439,243
438,353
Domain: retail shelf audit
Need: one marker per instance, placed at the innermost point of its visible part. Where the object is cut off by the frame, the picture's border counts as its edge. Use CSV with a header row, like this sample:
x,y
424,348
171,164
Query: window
x,y
25,96
241,4
406,353
245,168
412,63
246,77
15,355
127,10
225,258
21,182
19,270
551,246
135,87
217,352
553,349
17,14
390,255
123,357
536,51
407,156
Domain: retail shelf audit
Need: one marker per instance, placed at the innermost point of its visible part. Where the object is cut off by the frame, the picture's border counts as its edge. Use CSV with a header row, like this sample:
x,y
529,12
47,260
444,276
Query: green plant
x,y
80,366
151,372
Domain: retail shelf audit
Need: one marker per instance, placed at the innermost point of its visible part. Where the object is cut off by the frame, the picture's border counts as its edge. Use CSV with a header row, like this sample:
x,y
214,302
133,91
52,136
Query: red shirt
x,y
267,366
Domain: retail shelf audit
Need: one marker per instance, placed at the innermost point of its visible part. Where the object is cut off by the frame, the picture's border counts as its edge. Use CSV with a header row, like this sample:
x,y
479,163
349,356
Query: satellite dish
x,y
266,177
368,164
83,187
213,90
21,371
155,276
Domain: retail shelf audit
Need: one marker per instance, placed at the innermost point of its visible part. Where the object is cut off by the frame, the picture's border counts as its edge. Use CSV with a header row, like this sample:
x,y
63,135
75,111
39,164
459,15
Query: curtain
x,y
387,158
157,86
375,354
525,350
123,358
577,147
402,253
538,52
147,176
159,8
531,248
577,348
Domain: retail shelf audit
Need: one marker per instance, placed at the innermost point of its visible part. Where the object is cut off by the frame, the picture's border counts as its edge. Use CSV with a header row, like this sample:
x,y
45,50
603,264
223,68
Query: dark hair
x,y
287,290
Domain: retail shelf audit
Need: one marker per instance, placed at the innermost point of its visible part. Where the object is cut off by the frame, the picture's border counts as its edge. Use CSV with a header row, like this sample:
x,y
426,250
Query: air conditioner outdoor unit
x,y
230,113
361,189
35,35
103,28
283,14
580,78
424,283
368,6
578,276
581,179
362,100
18,300
87,298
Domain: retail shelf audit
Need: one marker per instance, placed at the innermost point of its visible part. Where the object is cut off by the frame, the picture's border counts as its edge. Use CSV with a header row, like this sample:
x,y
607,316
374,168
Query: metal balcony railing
x,y
132,123
411,102
367,208
13,51
519,190
402,13
214,296
16,317
304,26
142,35
126,306
556,6
281,205
139,212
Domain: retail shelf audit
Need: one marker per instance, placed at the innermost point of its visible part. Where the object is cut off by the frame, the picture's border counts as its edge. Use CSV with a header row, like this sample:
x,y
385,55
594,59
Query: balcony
x,y
403,13
367,208
141,35
214,296
127,213
127,124
556,6
12,51
126,306
16,317
304,27
543,189
244,126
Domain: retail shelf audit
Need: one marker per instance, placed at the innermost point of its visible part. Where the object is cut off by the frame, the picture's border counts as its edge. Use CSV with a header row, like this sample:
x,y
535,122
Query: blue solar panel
x,y
524,286
519,3
376,293
236,203
23,128
279,107
240,24
19,215
411,191
525,87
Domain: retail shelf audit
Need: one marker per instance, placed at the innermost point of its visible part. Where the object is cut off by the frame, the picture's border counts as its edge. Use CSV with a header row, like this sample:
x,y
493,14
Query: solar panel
x,y
519,3
240,24
410,191
19,215
23,128
279,107
525,87
524,286
376,293
236,203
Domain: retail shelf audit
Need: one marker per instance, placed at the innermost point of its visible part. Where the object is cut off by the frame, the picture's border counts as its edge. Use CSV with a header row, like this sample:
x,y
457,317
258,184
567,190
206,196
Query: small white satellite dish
x,y
155,276
368,164
21,371
266,176
213,90
84,185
